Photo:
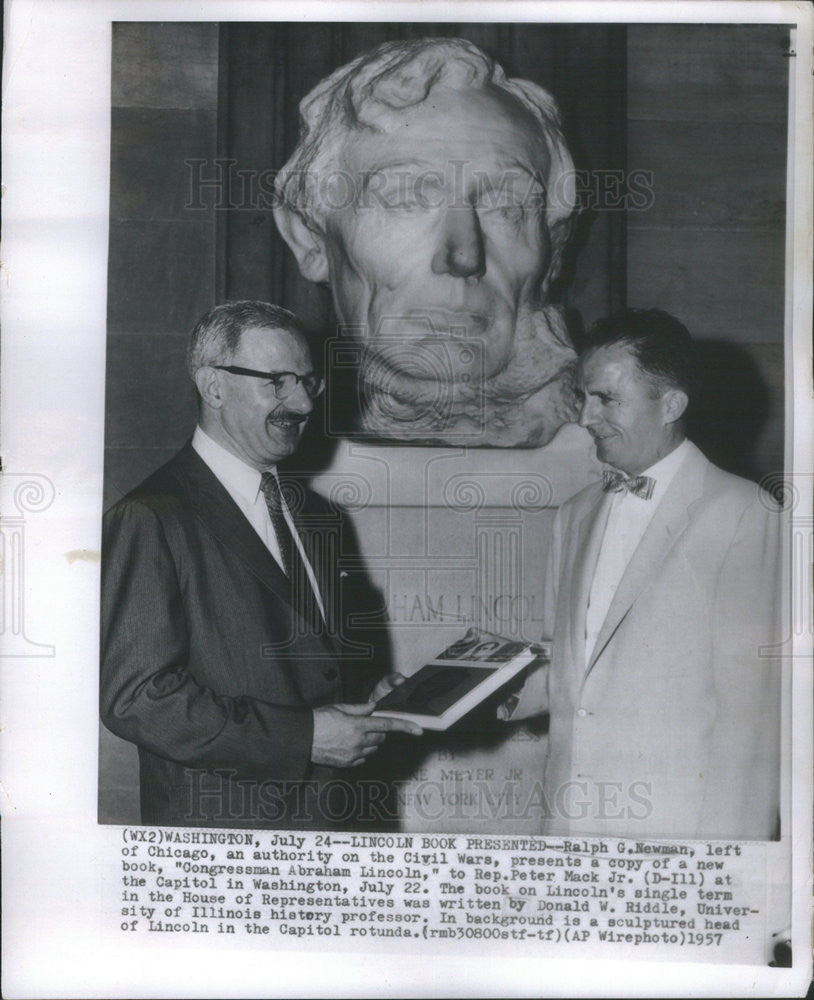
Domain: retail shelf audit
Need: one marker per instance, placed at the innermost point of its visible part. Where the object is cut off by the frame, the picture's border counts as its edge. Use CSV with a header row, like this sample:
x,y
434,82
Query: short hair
x,y
371,91
217,334
662,346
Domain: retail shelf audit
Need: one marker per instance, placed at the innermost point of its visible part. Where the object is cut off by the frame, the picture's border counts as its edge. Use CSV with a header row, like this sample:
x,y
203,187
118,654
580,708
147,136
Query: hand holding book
x,y
467,672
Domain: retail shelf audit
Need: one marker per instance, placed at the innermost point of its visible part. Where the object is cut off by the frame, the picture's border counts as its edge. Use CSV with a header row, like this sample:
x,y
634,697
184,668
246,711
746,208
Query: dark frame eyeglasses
x,y
283,383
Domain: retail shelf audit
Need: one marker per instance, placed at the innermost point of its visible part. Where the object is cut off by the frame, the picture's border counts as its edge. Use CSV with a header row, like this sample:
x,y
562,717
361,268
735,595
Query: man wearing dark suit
x,y
220,650
662,595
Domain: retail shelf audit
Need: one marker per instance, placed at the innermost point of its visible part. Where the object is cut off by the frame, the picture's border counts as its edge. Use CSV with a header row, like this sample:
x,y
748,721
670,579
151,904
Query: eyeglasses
x,y
283,383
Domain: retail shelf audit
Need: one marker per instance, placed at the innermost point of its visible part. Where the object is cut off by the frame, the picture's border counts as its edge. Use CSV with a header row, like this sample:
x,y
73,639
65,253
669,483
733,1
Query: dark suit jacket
x,y
206,665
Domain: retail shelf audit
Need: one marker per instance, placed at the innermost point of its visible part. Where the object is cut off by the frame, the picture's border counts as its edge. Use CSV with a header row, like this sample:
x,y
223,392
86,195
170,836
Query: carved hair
x,y
371,91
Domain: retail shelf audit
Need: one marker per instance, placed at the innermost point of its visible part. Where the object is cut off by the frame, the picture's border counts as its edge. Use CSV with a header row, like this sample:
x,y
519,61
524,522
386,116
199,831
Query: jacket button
x,y
329,673
582,712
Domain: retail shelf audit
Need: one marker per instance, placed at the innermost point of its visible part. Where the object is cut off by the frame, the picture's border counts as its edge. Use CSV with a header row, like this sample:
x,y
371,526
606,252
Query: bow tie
x,y
618,482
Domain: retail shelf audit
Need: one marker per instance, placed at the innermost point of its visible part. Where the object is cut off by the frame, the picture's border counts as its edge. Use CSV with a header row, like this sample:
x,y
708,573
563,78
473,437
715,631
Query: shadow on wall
x,y
731,410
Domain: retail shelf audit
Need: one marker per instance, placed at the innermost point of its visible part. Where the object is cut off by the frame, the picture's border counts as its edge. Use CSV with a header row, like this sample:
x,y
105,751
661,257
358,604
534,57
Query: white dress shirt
x,y
628,519
242,483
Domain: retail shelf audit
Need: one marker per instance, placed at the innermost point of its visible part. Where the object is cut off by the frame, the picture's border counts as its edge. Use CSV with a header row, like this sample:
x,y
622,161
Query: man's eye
x,y
513,204
403,199
504,208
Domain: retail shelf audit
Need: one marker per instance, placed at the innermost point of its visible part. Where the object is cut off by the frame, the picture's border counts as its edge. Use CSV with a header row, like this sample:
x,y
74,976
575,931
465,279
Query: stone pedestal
x,y
452,538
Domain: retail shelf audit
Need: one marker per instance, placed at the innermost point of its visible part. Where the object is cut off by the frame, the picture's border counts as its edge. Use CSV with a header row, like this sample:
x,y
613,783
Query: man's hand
x,y
346,735
507,708
386,685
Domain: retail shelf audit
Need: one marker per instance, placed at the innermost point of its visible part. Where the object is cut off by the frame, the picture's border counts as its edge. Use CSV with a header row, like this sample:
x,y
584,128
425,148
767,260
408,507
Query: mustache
x,y
286,416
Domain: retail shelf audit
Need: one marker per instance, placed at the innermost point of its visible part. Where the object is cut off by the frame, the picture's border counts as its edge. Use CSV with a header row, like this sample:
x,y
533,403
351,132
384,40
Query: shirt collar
x,y
663,472
238,477
667,467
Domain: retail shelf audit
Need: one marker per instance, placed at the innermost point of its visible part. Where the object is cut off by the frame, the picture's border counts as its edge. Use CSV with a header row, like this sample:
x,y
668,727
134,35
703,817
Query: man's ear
x,y
209,387
306,245
674,402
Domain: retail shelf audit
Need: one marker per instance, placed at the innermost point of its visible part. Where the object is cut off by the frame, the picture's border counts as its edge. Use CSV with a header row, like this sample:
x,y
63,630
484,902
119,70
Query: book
x,y
460,678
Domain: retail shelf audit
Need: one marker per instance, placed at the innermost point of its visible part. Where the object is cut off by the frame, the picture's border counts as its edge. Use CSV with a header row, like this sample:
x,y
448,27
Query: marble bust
x,y
435,196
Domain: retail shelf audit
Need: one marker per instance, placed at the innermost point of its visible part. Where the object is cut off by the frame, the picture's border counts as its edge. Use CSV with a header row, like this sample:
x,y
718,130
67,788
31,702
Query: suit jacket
x,y
206,664
672,727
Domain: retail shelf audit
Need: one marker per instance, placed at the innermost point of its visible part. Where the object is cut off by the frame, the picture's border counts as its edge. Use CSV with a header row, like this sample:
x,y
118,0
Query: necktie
x,y
618,482
302,592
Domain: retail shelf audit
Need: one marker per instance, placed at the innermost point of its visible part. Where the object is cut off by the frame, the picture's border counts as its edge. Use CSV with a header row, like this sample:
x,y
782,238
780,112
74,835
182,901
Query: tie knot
x,y
617,482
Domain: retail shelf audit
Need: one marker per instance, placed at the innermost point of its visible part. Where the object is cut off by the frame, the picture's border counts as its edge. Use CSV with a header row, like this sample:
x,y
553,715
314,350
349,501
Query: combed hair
x,y
661,345
216,336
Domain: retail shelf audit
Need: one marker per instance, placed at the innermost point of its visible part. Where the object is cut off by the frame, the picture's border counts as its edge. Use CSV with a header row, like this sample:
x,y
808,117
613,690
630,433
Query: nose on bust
x,y
460,251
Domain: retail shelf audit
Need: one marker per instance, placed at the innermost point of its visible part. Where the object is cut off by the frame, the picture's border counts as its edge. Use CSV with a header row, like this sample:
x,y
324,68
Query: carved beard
x,y
522,406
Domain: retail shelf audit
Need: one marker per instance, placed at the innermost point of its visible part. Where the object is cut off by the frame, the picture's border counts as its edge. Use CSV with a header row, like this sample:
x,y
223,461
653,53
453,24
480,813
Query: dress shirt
x,y
628,519
242,483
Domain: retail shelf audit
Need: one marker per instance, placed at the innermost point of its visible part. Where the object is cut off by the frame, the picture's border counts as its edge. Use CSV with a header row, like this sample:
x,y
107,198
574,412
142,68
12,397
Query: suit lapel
x,y
590,531
210,501
667,526
319,534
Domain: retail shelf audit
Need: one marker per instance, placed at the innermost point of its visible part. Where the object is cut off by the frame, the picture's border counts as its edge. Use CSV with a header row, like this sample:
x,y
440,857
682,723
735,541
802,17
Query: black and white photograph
x,y
470,341
442,251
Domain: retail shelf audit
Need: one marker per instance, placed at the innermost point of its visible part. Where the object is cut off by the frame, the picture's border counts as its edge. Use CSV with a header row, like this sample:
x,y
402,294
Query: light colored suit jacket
x,y
671,728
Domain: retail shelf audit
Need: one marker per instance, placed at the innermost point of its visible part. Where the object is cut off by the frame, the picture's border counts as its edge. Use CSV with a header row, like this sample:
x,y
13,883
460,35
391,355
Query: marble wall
x,y
161,261
707,115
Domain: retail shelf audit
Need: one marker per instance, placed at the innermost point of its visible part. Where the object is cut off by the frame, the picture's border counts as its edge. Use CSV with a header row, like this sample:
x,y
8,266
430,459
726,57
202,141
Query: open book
x,y
462,676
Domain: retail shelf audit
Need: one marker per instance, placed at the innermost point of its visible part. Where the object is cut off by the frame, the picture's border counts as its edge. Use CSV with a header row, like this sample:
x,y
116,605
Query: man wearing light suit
x,y
221,650
662,598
